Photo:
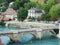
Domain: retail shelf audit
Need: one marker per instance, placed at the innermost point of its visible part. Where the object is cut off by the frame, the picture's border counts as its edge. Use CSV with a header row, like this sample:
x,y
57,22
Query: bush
x,y
2,23
56,31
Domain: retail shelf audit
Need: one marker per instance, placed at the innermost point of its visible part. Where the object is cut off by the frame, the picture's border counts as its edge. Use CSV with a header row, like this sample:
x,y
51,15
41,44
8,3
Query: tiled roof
x,y
5,19
1,17
10,11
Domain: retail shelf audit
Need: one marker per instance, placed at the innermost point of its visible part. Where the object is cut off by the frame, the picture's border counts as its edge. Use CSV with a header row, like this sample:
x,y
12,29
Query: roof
x,y
10,11
1,17
1,13
5,19
34,9
37,10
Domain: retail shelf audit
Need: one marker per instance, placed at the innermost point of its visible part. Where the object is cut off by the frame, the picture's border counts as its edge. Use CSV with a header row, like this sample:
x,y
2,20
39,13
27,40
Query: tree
x,y
8,1
32,4
3,5
2,23
31,18
55,12
48,5
19,3
22,14
42,18
3,8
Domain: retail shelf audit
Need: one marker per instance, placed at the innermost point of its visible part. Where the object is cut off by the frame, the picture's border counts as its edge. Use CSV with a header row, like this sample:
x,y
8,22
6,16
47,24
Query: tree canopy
x,y
55,12
32,4
4,4
48,5
19,3
22,14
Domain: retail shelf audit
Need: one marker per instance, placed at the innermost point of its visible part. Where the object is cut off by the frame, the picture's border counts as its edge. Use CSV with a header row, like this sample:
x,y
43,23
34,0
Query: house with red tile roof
x,y
10,14
1,16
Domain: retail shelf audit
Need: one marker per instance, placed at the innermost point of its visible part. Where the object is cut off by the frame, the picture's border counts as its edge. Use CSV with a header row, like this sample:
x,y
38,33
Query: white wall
x,y
9,16
33,14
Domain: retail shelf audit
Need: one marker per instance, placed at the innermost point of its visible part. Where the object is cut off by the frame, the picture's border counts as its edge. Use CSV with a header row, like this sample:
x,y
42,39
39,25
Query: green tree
x,y
55,12
3,5
32,4
48,5
2,23
19,3
32,18
42,18
8,1
3,8
22,14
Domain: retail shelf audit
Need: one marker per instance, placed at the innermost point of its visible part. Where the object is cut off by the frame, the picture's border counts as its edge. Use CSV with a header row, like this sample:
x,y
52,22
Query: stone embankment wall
x,y
31,25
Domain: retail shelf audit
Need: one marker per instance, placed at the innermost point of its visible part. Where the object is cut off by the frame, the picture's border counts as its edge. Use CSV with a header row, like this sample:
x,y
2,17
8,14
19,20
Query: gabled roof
x,y
1,13
34,8
10,11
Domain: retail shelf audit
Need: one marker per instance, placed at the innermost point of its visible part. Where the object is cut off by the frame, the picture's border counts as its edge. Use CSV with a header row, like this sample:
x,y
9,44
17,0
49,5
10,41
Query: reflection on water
x,y
25,37
44,41
10,28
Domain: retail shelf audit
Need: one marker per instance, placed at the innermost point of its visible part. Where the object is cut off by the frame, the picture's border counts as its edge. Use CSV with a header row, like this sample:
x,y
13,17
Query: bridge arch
x,y
56,31
25,37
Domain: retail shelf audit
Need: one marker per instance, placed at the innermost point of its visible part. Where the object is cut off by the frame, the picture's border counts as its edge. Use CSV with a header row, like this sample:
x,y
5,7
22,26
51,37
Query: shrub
x,y
56,31
2,23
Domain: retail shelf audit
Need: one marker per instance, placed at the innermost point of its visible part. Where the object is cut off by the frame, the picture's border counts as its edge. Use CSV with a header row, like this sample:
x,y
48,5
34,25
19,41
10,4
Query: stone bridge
x,y
16,34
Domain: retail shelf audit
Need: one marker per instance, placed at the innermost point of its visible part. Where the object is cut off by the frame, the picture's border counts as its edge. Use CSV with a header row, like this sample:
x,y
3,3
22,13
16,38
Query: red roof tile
x,y
10,11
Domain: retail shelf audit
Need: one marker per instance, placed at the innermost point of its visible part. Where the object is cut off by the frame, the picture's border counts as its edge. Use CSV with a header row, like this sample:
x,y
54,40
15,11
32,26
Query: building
x,y
34,12
10,14
1,16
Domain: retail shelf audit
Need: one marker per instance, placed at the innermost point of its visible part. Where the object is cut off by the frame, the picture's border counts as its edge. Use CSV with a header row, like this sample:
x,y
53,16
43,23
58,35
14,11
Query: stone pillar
x,y
59,32
6,24
38,35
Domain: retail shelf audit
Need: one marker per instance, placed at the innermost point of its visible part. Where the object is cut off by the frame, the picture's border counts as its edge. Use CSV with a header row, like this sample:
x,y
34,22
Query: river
x,y
46,40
